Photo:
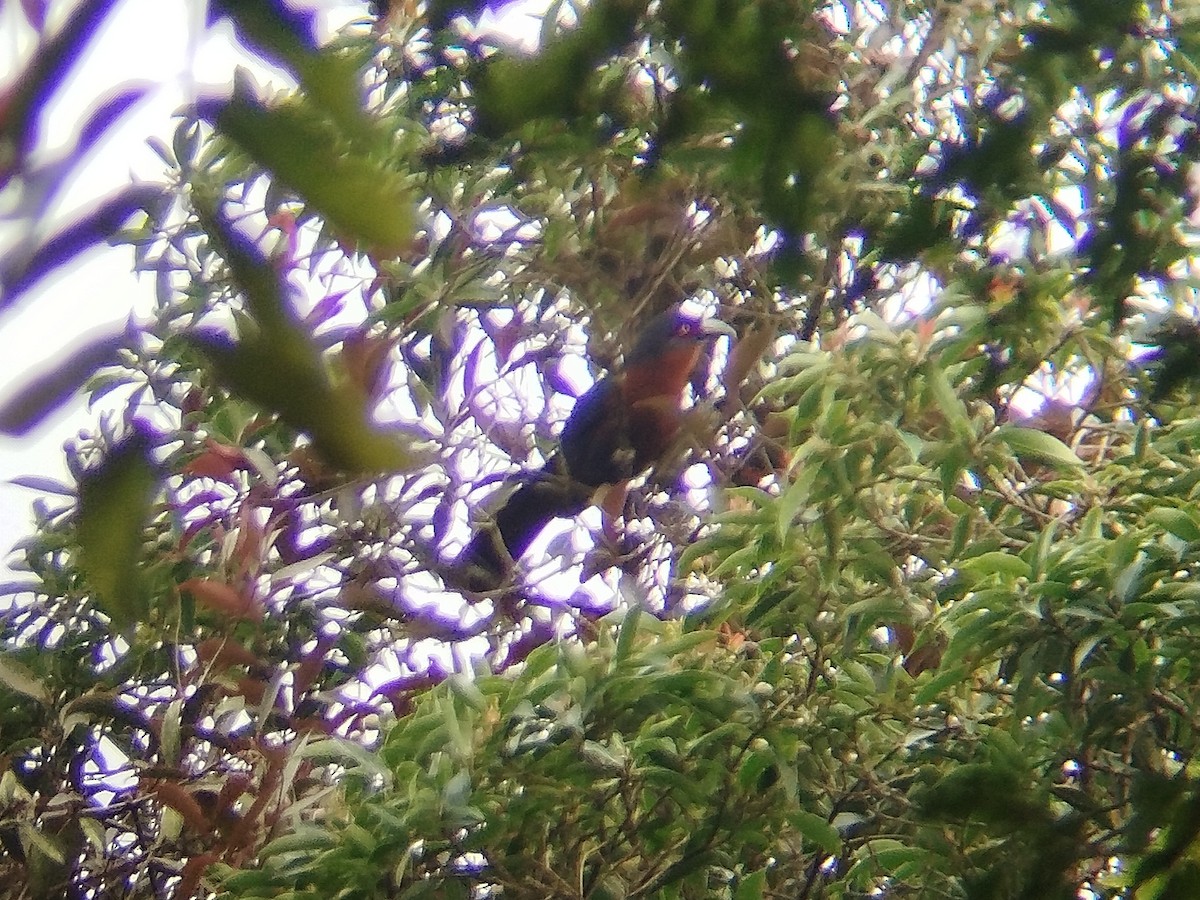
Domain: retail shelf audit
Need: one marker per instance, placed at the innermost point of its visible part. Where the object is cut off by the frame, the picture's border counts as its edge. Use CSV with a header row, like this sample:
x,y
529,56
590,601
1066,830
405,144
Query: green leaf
x,y
987,792
882,856
284,374
752,887
1042,548
685,642
464,686
346,753
599,756
514,90
328,77
93,833
363,200
943,397
958,539
795,497
754,765
20,679
35,841
1029,443
941,680
277,365
995,562
114,503
305,839
626,635
1175,521
817,829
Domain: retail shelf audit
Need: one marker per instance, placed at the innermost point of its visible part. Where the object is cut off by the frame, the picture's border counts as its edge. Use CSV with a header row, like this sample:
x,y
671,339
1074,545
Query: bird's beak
x,y
715,328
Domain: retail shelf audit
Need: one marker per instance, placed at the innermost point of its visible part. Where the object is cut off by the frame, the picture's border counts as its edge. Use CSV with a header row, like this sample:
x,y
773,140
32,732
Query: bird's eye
x,y
685,329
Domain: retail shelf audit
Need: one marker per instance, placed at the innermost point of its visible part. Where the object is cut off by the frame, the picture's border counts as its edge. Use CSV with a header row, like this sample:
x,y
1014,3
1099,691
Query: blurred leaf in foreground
x,y
277,366
53,387
362,199
114,502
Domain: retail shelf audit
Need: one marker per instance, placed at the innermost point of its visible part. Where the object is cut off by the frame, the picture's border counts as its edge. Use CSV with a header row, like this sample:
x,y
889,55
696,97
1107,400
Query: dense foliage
x,y
908,614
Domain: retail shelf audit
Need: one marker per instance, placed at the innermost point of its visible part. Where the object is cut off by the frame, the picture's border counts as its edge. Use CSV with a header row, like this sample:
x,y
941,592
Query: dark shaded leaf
x,y
514,91
35,12
104,116
23,268
54,387
45,485
55,57
271,24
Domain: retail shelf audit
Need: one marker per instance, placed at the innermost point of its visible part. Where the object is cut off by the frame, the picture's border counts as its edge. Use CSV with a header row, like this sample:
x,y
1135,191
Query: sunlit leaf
x,y
1176,521
1036,445
997,563
22,680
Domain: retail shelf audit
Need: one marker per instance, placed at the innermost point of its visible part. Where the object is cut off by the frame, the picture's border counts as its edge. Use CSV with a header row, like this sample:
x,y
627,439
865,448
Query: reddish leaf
x,y
248,549
223,599
310,667
193,871
223,654
179,799
252,689
217,461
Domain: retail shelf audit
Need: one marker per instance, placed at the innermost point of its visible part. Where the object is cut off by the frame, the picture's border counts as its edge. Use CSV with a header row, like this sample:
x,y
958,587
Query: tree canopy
x,y
908,613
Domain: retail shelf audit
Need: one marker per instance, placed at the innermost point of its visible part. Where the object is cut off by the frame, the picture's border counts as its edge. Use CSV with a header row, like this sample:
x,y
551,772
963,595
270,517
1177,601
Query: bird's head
x,y
675,330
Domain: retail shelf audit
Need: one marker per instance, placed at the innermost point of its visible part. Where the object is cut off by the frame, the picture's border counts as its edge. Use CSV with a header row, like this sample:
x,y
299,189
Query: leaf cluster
x,y
883,631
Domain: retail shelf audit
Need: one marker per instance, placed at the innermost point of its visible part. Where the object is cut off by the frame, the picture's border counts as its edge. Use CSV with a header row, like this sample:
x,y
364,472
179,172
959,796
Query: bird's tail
x,y
541,497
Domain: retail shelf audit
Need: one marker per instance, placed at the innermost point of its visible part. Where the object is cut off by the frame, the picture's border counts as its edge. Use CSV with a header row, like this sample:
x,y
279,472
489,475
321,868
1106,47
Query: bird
x,y
619,428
